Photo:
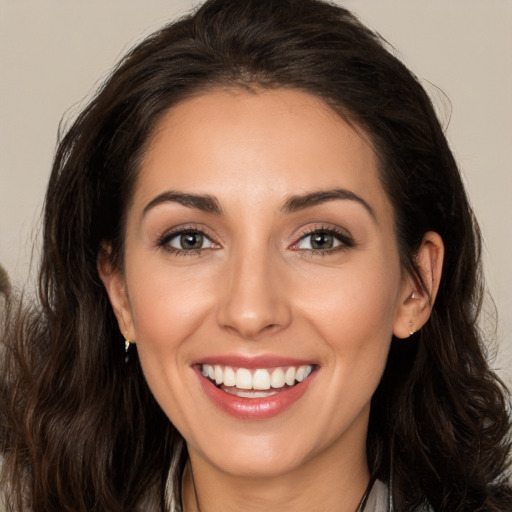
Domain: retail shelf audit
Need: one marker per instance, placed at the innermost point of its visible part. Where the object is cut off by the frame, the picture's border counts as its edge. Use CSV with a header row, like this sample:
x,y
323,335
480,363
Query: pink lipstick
x,y
254,388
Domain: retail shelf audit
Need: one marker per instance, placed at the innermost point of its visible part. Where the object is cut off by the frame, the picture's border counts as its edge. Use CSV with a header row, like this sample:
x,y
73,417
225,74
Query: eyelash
x,y
346,241
165,239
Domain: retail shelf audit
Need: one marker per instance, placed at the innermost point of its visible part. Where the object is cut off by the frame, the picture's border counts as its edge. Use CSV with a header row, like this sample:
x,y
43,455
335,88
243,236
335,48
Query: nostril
x,y
253,333
253,304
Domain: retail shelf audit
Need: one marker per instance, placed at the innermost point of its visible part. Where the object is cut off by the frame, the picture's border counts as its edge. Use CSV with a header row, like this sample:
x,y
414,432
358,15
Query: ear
x,y
416,298
114,282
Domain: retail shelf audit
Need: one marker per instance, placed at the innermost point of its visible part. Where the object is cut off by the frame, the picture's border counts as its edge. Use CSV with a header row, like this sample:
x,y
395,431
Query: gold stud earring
x,y
411,330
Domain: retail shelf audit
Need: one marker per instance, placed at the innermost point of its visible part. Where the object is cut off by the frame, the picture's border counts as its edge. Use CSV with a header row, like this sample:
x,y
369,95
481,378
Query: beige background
x,y
53,53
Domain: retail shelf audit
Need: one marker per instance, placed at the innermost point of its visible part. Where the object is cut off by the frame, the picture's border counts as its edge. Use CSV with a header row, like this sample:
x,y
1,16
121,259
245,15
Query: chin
x,y
260,464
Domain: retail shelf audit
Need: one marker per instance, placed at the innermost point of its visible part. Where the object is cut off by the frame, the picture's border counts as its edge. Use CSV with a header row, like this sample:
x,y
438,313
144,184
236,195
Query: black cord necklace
x,y
360,508
362,504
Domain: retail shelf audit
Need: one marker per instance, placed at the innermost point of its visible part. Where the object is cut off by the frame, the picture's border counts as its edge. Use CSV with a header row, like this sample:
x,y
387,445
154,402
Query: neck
x,y
334,481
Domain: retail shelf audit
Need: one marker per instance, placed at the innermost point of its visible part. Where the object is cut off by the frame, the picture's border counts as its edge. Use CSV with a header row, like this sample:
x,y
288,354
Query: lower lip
x,y
254,408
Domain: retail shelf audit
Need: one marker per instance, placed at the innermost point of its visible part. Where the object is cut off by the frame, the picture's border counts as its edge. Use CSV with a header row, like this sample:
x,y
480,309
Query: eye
x,y
319,241
190,241
323,240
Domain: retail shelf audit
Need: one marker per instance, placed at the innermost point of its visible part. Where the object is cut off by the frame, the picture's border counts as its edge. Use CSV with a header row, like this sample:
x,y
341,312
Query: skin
x,y
258,288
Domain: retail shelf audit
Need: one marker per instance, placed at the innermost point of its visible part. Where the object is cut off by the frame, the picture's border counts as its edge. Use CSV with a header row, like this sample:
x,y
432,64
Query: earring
x,y
411,330
127,344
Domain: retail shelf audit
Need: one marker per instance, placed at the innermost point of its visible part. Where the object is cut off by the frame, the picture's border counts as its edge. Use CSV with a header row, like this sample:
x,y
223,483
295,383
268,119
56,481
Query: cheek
x,y
168,306
359,298
354,318
353,313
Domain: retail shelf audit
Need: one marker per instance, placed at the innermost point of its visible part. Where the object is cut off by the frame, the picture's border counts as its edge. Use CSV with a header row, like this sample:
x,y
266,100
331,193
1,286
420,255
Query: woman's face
x,y
262,281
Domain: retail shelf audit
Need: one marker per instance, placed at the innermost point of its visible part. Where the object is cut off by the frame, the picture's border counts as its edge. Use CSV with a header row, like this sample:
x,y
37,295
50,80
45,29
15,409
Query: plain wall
x,y
53,53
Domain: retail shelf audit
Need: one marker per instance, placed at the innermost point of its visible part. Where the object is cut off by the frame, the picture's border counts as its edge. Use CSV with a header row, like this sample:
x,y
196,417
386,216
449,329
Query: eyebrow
x,y
209,204
205,203
303,201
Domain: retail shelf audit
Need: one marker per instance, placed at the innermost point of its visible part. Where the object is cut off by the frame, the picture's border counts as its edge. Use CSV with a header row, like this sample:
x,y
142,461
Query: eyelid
x,y
177,236
343,236
164,239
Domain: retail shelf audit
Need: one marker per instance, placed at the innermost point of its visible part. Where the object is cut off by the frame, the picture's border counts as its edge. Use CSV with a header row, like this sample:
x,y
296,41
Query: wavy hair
x,y
79,427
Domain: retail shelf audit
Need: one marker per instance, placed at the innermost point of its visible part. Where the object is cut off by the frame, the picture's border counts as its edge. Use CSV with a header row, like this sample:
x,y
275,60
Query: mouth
x,y
255,393
255,383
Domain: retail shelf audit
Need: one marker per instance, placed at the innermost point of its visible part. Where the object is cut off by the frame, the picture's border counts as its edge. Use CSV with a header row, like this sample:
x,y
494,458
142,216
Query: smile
x,y
249,383
255,392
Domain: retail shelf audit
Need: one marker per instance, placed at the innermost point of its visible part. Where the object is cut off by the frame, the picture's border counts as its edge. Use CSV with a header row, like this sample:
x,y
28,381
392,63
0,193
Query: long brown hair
x,y
80,430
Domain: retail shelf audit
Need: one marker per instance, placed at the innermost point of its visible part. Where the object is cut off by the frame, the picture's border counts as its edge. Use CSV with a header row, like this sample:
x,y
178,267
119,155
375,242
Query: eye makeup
x,y
190,240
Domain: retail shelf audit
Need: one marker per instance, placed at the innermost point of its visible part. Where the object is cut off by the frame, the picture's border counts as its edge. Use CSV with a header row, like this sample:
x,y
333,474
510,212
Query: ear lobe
x,y
418,295
113,281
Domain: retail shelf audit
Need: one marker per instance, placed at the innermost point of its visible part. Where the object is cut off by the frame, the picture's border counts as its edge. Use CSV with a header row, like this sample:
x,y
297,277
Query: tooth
x,y
261,379
250,394
218,374
243,379
289,376
229,376
277,379
208,371
300,375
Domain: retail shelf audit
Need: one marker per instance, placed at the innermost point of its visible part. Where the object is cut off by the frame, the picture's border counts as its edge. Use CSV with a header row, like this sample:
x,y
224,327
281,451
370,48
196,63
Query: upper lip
x,y
253,362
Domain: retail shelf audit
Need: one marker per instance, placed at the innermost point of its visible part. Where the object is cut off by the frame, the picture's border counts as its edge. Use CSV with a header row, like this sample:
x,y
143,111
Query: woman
x,y
259,287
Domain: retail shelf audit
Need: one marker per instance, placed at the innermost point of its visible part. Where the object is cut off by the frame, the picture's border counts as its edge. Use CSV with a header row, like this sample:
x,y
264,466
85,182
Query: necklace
x,y
360,508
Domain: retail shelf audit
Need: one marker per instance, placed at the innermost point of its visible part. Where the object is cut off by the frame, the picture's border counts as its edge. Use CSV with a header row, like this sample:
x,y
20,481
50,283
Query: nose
x,y
254,300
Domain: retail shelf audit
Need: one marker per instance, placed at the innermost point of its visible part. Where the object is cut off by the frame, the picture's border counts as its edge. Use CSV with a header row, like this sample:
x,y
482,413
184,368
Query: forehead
x,y
258,144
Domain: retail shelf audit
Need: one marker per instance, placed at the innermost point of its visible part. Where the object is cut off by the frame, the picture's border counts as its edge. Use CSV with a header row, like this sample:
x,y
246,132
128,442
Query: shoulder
x,y
378,500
